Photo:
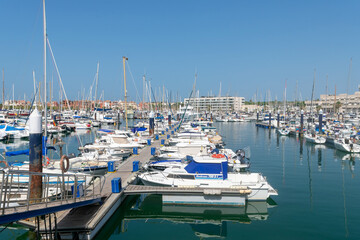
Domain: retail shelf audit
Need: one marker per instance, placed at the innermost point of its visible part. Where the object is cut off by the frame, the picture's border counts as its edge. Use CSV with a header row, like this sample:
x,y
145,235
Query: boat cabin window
x,y
181,176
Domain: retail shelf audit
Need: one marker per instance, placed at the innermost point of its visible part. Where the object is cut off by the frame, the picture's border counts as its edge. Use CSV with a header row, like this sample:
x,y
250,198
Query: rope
x,y
5,227
137,93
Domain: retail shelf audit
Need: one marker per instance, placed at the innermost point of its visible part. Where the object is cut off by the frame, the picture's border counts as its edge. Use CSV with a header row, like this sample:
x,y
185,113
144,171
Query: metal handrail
x,y
56,188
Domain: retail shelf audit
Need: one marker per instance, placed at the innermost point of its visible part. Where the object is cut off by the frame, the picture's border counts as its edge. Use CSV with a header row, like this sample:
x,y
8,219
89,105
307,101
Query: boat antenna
x,y
182,119
312,96
45,92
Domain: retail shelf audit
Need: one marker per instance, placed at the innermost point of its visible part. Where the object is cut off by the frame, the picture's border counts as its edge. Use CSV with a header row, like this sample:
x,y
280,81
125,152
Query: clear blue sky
x,y
247,45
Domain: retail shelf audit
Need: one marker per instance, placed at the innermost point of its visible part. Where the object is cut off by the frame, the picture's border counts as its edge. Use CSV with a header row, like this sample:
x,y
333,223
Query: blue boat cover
x,y
105,130
16,153
162,161
11,128
207,168
215,151
102,109
138,129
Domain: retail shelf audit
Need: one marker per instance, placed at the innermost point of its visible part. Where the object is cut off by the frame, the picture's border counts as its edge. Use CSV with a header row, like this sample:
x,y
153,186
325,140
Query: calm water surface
x,y
318,197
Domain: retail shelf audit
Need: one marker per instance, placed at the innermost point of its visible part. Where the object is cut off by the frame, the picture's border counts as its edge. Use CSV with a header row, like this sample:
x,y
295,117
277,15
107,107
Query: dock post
x,y
269,119
302,123
257,115
320,120
211,118
151,123
35,155
153,151
278,119
118,120
169,118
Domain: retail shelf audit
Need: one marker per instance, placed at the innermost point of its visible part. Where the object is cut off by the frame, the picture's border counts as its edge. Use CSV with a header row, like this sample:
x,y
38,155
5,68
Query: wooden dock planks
x,y
92,219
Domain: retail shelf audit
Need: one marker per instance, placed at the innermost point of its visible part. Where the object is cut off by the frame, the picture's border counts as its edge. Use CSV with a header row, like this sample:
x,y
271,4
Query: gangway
x,y
59,192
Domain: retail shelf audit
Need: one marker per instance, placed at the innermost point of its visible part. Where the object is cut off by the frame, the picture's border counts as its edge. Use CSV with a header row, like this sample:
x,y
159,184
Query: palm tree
x,y
337,106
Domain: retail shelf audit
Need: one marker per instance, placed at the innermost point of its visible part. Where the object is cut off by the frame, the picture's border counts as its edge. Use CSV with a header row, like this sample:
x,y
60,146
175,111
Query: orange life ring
x,y
5,162
62,166
218,155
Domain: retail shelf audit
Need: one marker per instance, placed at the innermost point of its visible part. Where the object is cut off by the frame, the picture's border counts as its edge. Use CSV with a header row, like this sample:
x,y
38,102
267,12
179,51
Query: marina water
x,y
318,198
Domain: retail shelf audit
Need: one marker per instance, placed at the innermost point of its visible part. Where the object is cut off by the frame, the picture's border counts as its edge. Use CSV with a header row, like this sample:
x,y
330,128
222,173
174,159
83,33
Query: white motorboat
x,y
79,125
314,138
96,123
210,175
114,142
346,145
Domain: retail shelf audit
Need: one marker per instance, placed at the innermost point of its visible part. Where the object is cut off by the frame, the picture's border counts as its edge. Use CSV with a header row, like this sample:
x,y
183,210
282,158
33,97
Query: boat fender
x,y
64,168
45,164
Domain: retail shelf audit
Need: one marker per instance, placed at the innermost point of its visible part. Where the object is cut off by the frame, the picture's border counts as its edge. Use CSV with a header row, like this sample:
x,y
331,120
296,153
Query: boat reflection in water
x,y
205,221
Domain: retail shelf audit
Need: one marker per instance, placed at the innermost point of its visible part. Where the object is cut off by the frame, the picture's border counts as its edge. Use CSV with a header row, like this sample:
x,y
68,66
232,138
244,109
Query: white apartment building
x,y
216,104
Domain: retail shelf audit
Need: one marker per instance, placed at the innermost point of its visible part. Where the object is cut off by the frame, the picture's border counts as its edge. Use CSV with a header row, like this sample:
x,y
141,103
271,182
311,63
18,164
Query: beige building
x,y
348,103
216,104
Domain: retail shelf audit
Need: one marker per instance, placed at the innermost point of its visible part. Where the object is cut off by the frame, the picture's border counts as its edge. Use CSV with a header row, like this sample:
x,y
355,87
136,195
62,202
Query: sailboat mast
x,y
312,96
3,90
50,98
45,100
13,98
97,80
35,100
285,101
326,92
143,97
125,98
348,83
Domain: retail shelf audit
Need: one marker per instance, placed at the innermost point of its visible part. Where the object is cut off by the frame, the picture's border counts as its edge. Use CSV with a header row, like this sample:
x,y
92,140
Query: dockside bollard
x,y
116,185
301,123
153,151
169,118
111,166
320,121
269,120
151,123
79,190
135,151
136,166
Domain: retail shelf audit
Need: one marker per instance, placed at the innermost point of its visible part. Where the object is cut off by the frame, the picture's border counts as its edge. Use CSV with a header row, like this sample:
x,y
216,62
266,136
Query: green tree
x,y
337,106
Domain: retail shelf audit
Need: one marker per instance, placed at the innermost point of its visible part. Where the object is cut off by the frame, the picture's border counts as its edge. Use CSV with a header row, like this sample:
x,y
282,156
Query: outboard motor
x,y
240,153
240,159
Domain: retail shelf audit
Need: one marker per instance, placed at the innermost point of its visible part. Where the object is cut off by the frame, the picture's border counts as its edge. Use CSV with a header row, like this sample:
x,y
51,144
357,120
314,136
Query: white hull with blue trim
x,y
210,174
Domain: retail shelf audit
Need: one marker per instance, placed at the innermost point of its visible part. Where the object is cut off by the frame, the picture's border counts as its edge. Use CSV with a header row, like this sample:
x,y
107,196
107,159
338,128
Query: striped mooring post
x,y
302,123
151,123
35,155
